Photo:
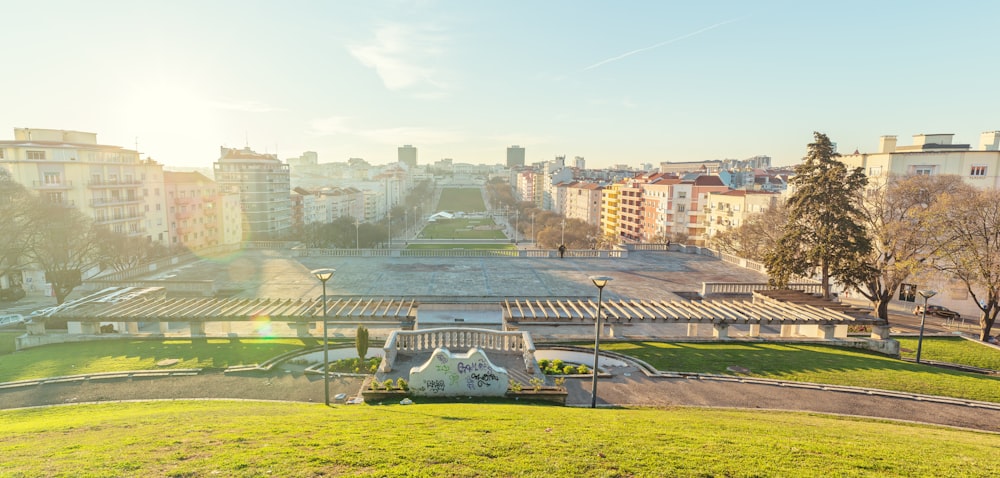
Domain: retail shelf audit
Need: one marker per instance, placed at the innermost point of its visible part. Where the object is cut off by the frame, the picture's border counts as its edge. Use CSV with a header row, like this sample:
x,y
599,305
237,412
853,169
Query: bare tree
x,y
122,252
896,214
756,237
15,226
967,234
63,243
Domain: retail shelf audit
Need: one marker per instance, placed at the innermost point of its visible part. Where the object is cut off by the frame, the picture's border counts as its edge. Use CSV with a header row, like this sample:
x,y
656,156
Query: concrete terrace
x,y
642,275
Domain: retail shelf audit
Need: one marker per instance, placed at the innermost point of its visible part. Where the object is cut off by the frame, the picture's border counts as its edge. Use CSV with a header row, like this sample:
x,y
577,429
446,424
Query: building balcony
x,y
102,202
45,185
117,218
183,200
113,183
67,203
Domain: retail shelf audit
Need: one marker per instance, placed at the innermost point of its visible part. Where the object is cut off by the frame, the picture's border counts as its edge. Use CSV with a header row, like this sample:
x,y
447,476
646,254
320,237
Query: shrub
x,y
536,383
514,385
401,384
558,364
569,370
543,364
376,385
583,370
388,384
560,382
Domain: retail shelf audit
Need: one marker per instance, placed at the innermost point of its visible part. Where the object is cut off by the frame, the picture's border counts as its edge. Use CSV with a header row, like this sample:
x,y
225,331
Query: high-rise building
x,y
515,156
408,155
263,184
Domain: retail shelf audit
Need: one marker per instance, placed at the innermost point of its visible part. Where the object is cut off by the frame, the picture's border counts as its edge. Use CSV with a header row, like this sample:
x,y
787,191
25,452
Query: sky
x,y
615,82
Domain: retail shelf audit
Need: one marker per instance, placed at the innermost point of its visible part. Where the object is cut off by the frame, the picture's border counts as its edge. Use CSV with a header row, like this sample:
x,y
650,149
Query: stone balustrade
x,y
457,338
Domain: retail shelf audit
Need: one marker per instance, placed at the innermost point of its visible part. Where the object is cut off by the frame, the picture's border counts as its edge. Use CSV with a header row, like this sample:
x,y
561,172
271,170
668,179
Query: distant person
x,y
562,250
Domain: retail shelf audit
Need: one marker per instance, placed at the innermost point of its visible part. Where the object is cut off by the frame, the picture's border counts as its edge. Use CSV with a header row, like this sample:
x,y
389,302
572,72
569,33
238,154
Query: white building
x,y
262,182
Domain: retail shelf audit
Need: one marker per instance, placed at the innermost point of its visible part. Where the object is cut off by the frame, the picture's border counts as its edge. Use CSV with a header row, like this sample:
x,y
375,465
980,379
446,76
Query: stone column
x,y
301,328
89,328
164,327
36,327
692,330
755,330
131,328
787,330
721,331
826,332
197,329
880,332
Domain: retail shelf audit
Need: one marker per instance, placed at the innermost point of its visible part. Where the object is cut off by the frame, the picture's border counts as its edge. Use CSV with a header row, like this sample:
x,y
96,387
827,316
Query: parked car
x,y
938,311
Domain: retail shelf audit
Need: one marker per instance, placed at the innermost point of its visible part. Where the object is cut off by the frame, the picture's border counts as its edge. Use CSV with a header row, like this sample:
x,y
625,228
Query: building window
x,y
682,194
908,292
36,154
923,170
978,170
1,154
875,171
50,178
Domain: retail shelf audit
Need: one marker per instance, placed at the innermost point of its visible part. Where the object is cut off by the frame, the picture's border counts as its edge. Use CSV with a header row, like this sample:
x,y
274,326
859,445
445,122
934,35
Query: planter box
x,y
375,396
545,395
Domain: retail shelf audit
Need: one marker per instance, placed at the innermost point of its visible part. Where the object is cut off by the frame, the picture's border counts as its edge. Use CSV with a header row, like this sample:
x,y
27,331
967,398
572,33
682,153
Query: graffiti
x,y
481,380
442,368
435,385
472,367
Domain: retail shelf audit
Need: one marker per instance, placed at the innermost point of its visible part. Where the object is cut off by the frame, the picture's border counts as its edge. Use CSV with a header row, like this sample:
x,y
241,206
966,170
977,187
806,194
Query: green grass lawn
x,y
813,363
461,199
7,340
461,228
952,350
463,246
194,438
117,355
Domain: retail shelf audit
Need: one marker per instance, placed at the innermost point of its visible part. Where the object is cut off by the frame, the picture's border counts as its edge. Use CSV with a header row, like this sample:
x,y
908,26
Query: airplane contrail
x,y
658,45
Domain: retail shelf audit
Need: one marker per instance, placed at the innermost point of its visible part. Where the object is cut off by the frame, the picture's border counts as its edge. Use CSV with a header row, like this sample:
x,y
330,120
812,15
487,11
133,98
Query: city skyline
x,y
616,84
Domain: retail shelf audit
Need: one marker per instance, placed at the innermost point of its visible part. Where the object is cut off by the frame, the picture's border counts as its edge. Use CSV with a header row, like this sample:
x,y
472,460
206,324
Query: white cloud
x,y
405,58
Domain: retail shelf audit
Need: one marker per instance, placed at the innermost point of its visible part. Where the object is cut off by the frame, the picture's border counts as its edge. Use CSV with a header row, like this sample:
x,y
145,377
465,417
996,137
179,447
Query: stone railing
x,y
415,341
748,288
459,252
204,288
164,263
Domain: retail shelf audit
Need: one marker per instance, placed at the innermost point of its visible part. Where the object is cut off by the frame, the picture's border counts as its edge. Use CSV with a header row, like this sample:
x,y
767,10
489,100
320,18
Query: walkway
x,y
628,387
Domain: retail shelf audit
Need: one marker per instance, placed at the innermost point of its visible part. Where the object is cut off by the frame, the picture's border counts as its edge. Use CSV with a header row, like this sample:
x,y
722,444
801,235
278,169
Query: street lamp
x,y
600,282
517,222
532,229
357,234
389,215
563,242
926,294
324,275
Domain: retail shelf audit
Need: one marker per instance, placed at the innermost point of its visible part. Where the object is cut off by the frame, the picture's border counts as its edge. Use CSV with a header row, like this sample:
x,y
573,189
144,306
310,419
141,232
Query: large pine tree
x,y
825,232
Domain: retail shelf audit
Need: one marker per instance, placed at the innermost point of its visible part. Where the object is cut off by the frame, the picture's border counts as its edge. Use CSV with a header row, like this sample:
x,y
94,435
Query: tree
x,y
361,342
967,223
896,215
824,229
63,243
122,252
15,226
756,237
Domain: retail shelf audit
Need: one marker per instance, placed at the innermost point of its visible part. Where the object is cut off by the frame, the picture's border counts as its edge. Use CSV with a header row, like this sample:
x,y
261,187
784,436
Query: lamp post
x,y
357,234
406,223
532,229
517,222
324,275
563,241
600,282
926,294
389,215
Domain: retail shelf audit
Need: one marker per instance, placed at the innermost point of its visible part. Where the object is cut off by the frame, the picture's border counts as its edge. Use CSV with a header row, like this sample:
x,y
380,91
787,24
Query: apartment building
x,y
262,182
609,209
199,214
583,202
934,154
111,184
730,209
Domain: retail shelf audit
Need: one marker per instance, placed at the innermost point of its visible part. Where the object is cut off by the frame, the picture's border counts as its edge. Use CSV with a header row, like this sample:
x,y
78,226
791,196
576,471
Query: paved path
x,y
627,387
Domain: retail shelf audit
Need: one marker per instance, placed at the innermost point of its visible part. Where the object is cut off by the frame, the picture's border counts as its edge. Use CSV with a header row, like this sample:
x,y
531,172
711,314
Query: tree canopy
x,y
824,231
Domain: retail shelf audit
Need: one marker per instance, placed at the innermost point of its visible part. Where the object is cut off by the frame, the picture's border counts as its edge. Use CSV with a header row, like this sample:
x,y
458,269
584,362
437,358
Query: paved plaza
x,y
643,275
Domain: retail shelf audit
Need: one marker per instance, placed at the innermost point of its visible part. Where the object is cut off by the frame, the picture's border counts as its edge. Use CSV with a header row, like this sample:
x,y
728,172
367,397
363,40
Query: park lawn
x,y
7,340
224,438
461,199
459,228
463,246
119,355
952,350
813,363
